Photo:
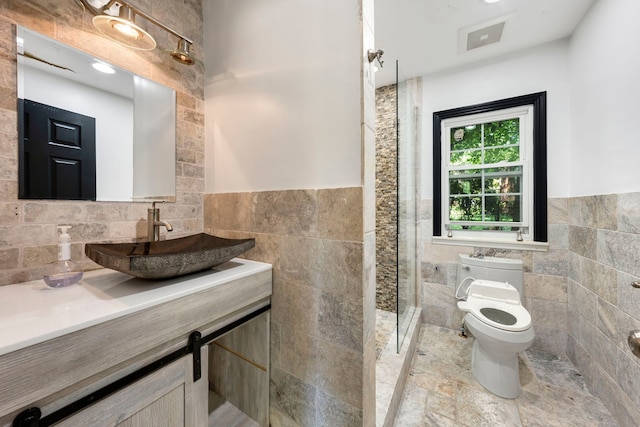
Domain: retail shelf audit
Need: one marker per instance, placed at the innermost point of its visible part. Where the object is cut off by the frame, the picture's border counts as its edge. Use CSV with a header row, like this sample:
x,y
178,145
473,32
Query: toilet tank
x,y
491,268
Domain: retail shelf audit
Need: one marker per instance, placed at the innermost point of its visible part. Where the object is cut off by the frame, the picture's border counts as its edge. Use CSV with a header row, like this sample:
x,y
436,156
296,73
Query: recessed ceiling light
x,y
491,1
103,68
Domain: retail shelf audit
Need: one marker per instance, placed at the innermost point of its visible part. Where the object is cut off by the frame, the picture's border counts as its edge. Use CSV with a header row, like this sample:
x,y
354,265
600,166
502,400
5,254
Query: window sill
x,y
498,244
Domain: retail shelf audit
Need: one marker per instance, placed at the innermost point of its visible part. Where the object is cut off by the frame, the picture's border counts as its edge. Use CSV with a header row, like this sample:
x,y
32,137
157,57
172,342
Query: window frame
x,y
537,175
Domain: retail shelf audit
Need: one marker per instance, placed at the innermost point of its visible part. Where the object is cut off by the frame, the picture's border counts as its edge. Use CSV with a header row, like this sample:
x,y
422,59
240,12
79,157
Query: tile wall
x,y
28,227
386,199
603,307
314,239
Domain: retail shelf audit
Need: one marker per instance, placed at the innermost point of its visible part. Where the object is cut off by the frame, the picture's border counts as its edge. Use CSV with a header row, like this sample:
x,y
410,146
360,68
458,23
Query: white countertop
x,y
31,313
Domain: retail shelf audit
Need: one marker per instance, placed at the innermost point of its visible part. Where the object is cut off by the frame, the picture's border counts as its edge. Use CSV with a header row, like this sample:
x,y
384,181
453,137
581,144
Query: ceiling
x,y
54,57
423,35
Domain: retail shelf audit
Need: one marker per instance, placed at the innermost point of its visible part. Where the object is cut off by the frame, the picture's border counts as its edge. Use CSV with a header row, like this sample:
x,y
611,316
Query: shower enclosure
x,y
407,215
396,195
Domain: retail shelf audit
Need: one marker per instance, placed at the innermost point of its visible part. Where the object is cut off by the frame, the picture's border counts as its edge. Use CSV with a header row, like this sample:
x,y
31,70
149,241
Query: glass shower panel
x,y
406,126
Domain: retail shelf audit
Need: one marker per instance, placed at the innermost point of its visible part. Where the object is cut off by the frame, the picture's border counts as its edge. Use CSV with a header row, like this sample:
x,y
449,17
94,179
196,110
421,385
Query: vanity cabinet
x,y
239,376
195,355
168,397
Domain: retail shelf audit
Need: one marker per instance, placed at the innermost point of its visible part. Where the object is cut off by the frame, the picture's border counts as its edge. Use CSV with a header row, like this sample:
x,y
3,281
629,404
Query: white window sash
x,y
525,116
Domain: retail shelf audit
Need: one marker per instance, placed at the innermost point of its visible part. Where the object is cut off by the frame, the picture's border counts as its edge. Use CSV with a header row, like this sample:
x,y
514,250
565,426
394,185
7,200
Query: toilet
x,y
490,290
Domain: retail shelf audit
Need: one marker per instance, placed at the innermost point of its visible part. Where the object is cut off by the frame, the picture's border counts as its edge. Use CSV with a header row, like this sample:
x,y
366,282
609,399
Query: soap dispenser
x,y
64,272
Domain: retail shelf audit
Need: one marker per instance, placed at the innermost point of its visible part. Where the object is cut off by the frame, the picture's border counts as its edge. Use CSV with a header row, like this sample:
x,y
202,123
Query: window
x,y
490,174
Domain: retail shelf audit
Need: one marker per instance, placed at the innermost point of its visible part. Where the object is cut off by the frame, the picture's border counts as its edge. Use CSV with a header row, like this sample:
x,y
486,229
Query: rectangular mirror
x,y
86,134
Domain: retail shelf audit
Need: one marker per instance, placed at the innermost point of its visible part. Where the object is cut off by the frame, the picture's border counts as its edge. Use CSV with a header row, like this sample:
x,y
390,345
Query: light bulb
x,y
126,29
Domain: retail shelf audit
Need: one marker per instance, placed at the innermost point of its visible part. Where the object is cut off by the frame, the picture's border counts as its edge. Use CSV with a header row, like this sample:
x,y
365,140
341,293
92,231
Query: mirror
x,y
91,135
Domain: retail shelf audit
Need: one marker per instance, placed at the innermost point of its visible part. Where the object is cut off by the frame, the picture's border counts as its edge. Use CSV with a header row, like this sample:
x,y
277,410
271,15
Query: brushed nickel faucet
x,y
154,223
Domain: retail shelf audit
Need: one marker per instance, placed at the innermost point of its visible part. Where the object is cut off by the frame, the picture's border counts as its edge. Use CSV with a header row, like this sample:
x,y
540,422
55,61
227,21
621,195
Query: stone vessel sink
x,y
167,258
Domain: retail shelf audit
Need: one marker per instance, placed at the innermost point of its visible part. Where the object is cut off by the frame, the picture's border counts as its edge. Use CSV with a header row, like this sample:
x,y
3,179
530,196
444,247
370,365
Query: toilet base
x,y
499,375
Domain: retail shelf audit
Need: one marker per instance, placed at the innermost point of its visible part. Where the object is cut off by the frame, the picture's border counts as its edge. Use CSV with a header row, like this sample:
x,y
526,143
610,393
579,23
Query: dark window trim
x,y
539,102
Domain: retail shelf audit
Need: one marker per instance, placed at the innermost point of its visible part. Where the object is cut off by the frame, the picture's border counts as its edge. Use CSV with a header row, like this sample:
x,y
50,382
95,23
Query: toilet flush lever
x,y
635,284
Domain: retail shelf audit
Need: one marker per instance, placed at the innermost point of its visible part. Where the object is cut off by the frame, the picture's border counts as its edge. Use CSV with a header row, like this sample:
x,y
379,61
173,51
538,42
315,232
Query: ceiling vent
x,y
482,34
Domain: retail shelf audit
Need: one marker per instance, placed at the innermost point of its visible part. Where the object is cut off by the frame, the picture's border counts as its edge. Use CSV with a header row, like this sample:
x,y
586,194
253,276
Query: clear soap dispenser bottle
x,y
64,272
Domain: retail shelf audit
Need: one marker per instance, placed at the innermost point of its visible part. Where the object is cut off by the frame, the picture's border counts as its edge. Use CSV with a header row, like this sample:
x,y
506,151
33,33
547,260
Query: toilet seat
x,y
475,307
496,304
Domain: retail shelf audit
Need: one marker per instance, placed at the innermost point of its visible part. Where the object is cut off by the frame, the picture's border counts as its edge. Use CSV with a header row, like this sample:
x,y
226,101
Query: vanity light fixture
x,y
124,30
490,1
181,53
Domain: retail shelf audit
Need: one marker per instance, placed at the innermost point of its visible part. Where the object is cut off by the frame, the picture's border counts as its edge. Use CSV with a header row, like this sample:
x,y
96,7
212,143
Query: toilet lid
x,y
505,316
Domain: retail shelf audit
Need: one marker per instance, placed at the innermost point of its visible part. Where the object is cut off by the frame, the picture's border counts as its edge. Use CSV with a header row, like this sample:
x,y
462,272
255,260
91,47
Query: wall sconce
x,y
375,54
124,30
181,53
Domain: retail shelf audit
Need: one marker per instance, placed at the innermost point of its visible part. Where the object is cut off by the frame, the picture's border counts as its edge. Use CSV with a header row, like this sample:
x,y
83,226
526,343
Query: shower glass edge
x,y
406,271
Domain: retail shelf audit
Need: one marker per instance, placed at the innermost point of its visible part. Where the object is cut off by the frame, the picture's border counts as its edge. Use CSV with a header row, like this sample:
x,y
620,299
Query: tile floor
x,y
442,391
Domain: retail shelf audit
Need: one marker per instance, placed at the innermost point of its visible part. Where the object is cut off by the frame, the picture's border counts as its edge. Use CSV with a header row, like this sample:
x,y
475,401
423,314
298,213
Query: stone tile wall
x,y
603,307
321,335
386,199
545,279
28,227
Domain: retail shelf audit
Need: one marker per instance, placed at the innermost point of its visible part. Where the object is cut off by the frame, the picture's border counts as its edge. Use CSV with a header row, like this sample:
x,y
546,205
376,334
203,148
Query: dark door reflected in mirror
x,y
86,134
57,153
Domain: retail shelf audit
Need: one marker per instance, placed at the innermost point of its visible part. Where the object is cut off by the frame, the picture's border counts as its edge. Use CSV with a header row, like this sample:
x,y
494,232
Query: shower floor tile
x,y
442,391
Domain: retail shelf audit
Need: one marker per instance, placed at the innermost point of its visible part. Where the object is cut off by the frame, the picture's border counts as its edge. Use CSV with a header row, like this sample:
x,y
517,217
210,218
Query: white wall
x,y
114,126
291,118
605,89
544,68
